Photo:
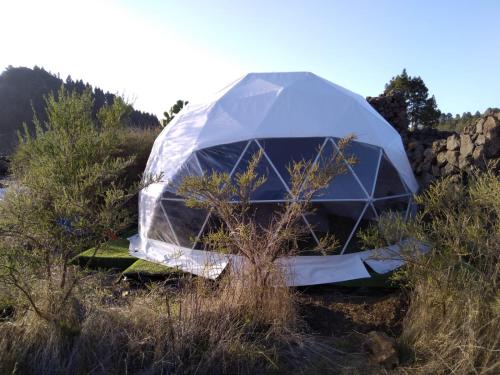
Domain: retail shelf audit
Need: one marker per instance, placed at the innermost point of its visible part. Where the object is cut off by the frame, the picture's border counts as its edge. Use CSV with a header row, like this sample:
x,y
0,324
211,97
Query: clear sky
x,y
155,52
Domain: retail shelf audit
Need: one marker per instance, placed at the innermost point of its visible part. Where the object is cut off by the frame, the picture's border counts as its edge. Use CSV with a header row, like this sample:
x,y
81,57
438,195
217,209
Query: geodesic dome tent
x,y
291,117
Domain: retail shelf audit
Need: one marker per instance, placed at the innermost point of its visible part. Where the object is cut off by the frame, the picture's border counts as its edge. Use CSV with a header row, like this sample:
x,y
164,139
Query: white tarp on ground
x,y
265,105
300,270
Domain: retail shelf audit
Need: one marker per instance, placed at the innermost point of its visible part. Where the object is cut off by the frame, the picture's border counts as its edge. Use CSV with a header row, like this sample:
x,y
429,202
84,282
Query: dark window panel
x,y
186,221
365,168
355,244
388,180
220,158
399,205
189,168
283,152
160,229
273,188
342,186
337,218
213,224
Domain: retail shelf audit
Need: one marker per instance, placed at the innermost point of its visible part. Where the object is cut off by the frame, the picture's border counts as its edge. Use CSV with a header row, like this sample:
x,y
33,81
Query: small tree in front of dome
x,y
242,233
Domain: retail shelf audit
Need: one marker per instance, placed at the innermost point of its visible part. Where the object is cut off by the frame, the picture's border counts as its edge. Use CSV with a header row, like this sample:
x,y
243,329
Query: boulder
x,y
428,155
435,171
448,170
466,145
481,139
453,142
439,145
491,128
464,162
492,149
478,152
452,157
382,349
479,125
441,158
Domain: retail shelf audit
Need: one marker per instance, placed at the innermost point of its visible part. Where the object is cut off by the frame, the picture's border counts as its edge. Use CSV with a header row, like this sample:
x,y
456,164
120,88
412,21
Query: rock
x,y
479,125
382,349
427,179
453,142
481,139
491,128
466,145
478,152
463,162
478,157
456,179
448,170
428,155
435,171
441,158
452,157
439,145
492,149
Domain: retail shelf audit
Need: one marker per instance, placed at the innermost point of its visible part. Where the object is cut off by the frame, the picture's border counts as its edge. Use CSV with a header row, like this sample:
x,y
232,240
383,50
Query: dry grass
x,y
200,328
453,322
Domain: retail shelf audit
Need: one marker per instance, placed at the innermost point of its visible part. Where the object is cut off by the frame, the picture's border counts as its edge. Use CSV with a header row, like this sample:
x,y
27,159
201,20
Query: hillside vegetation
x,y
22,92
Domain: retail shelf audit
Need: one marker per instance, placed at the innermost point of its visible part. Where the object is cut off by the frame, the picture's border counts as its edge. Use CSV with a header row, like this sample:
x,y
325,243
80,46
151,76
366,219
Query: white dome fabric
x,y
263,106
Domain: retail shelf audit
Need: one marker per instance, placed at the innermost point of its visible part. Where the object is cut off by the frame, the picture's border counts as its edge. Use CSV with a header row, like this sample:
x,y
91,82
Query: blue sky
x,y
154,52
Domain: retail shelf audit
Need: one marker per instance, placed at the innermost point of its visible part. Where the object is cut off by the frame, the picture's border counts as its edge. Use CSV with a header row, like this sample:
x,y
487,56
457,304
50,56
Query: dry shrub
x,y
453,321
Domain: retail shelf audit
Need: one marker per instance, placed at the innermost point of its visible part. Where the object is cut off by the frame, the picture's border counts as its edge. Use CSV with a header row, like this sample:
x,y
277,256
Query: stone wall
x,y
455,154
433,153
392,108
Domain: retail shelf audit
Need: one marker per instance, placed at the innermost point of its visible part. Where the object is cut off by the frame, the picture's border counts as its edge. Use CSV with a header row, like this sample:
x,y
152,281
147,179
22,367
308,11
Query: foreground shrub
x,y
453,321
197,329
74,182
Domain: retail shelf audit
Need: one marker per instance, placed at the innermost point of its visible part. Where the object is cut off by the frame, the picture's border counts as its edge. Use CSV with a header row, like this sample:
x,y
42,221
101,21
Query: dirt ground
x,y
336,311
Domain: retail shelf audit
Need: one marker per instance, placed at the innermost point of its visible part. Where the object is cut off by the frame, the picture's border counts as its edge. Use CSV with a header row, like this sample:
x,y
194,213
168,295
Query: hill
x,y
22,92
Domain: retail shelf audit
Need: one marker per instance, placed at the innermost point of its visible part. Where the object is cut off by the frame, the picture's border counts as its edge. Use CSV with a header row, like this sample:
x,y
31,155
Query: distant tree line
x,y
458,122
22,94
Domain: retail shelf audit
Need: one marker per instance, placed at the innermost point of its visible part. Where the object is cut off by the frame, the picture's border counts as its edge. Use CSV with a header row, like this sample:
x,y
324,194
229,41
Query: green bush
x,y
75,178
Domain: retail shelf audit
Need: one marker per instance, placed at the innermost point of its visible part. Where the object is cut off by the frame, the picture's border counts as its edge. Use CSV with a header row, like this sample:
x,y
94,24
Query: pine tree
x,y
422,110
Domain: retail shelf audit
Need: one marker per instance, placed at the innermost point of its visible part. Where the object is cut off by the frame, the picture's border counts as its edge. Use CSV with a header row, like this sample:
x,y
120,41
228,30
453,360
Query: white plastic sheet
x,y
300,270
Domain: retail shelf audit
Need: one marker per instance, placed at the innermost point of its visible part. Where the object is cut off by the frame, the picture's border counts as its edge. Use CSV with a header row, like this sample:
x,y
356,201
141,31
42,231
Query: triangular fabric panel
x,y
365,167
342,186
355,244
306,244
212,224
273,188
160,228
221,158
190,168
388,180
337,218
283,152
186,221
399,205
